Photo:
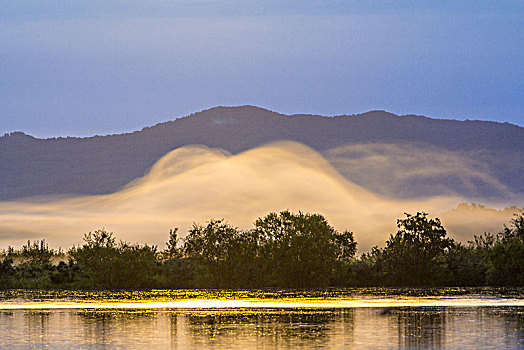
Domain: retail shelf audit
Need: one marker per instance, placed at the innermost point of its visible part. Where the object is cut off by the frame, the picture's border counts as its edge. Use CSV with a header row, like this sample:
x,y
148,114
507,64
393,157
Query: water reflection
x,y
263,328
421,328
271,328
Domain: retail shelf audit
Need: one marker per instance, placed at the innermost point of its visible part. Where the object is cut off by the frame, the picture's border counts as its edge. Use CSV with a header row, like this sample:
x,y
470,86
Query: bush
x,y
104,264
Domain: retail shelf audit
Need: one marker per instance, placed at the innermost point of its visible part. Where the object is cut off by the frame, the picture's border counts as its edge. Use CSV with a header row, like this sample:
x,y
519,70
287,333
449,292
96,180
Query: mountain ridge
x,y
102,164
213,109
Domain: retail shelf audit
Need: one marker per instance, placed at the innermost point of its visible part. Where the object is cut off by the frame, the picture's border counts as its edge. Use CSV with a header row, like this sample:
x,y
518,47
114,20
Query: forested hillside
x,y
103,164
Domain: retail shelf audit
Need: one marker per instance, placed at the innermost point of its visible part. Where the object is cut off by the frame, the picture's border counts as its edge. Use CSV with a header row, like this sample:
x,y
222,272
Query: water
x,y
261,320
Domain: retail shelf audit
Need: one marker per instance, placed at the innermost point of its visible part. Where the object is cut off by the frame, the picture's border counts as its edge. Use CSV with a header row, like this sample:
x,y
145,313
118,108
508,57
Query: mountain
x,y
397,156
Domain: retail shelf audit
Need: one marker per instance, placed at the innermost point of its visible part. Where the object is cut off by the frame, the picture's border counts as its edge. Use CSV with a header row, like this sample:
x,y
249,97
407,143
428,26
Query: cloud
x,y
409,171
197,183
467,220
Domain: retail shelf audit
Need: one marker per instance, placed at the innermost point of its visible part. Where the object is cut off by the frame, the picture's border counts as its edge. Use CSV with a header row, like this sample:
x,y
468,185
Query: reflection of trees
x,y
421,327
461,327
410,327
37,326
107,326
513,324
273,327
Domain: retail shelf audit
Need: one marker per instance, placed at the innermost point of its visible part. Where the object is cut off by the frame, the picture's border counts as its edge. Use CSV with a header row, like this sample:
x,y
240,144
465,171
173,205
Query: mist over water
x,y
196,183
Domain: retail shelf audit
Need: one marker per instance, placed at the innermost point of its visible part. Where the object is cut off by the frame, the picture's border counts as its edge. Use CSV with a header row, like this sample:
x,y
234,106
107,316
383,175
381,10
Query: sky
x,y
80,68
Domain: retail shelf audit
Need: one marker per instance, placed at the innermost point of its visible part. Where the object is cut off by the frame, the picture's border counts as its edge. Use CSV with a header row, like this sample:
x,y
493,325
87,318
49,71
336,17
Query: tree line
x,y
282,250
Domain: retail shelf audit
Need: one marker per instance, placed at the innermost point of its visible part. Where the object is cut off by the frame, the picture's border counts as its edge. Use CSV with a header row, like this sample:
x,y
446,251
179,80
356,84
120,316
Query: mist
x,y
408,171
196,183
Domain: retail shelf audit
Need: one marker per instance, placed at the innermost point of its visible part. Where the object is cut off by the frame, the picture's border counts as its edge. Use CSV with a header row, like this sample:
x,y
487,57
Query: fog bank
x,y
197,183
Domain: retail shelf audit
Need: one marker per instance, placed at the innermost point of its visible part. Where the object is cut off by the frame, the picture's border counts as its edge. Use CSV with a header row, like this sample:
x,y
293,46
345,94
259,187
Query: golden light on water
x,y
284,319
206,304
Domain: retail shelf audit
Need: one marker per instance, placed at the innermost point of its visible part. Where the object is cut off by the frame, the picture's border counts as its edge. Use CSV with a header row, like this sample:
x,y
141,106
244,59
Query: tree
x,y
507,263
346,248
516,230
507,255
176,271
221,253
367,270
7,272
37,253
173,252
95,258
466,266
415,254
104,264
301,249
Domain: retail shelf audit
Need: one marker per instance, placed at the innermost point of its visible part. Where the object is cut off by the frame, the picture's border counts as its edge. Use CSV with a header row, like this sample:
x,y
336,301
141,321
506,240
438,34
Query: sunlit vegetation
x,y
282,250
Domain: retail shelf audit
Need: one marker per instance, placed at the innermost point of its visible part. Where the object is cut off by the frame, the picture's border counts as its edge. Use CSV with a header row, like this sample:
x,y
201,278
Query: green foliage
x,y
415,255
518,226
516,230
284,250
507,255
292,250
346,248
104,264
467,266
173,251
63,274
96,258
37,253
507,263
223,255
302,250
32,278
174,270
7,272
33,269
175,273
368,270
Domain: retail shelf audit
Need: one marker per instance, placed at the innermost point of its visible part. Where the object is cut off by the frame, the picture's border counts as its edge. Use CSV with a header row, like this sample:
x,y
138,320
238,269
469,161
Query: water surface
x,y
262,320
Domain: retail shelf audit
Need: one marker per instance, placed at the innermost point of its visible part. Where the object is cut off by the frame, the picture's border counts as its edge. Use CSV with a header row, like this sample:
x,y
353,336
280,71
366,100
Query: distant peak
x,y
244,108
229,115
377,113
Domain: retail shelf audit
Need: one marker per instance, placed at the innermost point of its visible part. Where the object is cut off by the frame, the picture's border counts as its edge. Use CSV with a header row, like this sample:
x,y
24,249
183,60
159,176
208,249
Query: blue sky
x,y
95,67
